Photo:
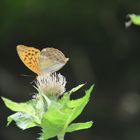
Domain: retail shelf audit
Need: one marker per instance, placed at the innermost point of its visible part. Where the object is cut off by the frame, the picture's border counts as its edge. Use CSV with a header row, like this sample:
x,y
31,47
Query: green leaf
x,y
19,107
135,19
23,121
53,121
60,115
75,89
78,105
66,96
25,108
79,126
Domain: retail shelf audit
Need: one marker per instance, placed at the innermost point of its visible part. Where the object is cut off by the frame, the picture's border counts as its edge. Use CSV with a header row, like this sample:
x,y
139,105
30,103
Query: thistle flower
x,y
52,85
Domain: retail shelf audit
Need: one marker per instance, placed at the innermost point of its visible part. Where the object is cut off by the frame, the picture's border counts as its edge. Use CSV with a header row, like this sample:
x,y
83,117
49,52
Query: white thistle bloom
x,y
51,84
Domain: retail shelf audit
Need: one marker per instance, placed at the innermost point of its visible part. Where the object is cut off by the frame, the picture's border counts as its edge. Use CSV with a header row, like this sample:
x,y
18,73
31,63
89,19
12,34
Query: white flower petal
x,y
51,84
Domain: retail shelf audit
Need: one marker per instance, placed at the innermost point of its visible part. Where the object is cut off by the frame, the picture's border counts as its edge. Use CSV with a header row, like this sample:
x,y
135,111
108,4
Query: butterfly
x,y
48,60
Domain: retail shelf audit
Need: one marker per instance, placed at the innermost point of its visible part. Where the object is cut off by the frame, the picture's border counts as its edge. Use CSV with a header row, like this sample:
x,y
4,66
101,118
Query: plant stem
x,y
61,136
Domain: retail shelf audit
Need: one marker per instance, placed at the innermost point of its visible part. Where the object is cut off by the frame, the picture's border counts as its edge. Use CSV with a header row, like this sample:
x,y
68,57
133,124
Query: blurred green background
x,y
101,51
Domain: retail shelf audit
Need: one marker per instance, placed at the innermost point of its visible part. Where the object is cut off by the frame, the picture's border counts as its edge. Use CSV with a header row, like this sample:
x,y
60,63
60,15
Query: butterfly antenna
x,y
26,75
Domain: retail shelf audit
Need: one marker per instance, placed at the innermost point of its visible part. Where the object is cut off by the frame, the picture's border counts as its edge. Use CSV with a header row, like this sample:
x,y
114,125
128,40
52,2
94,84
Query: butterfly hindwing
x,y
29,57
51,60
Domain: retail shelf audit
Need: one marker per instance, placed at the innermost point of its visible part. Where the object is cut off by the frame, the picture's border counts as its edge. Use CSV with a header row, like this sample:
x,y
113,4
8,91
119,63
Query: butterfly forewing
x,y
29,57
51,60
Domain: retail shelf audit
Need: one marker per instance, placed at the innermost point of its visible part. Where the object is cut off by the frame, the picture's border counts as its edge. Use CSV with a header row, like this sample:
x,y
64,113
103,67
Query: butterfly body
x,y
48,60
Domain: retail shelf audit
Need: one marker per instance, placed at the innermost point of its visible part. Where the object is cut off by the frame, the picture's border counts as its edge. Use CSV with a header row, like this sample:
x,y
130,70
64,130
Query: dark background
x,y
101,51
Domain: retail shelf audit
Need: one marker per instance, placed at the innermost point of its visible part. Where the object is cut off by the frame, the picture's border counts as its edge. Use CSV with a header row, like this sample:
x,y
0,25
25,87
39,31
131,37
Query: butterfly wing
x,y
51,60
29,57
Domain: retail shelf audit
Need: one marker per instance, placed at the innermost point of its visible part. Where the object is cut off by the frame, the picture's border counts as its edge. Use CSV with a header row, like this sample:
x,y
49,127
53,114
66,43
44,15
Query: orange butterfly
x,y
48,60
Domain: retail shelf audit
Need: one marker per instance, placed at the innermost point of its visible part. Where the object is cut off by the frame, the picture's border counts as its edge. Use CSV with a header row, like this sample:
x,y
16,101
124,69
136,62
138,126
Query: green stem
x,y
61,136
